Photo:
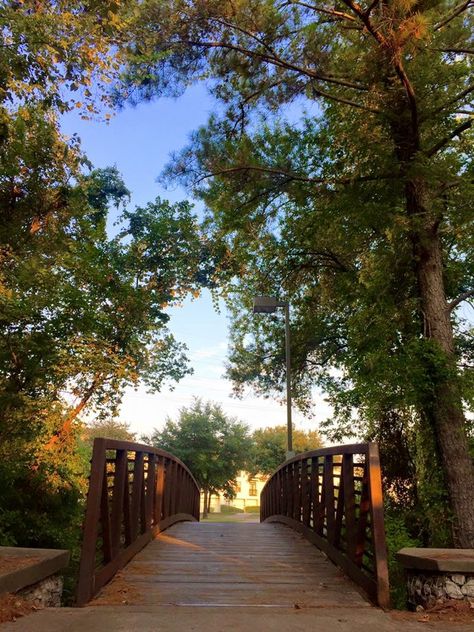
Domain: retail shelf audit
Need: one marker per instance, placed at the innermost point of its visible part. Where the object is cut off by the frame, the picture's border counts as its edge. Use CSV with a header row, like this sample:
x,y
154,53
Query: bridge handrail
x,y
333,496
135,491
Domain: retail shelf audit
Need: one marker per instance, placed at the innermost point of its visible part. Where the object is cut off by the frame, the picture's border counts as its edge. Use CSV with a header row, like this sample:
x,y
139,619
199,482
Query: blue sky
x,y
139,140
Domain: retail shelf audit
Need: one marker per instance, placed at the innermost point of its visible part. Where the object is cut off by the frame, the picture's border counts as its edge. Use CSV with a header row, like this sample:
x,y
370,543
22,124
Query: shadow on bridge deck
x,y
204,564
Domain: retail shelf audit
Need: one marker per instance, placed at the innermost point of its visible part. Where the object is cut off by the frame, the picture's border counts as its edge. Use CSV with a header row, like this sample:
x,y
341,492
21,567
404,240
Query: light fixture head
x,y
266,304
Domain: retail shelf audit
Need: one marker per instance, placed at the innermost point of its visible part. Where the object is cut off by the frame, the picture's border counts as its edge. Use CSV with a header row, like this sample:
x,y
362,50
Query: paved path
x,y
230,576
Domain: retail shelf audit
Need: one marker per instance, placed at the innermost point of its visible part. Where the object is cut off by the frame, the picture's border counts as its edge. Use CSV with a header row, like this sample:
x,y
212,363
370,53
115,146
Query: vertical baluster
x,y
329,496
105,519
305,493
321,512
127,520
364,507
150,490
117,499
314,491
349,505
339,507
136,494
173,490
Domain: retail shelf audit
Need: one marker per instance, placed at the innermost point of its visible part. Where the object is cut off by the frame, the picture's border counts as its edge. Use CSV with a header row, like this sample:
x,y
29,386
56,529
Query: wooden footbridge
x,y
316,561
143,503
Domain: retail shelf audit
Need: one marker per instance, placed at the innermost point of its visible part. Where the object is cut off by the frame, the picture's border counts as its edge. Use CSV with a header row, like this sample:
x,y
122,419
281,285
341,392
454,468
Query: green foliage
x,y
253,510
213,446
229,509
270,446
398,536
337,172
60,54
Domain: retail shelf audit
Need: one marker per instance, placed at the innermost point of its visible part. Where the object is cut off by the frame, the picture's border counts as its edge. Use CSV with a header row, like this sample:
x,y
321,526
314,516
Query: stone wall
x,y
45,593
429,589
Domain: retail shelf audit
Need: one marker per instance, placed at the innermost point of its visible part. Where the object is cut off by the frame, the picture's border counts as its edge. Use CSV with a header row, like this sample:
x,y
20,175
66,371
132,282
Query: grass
x,y
225,517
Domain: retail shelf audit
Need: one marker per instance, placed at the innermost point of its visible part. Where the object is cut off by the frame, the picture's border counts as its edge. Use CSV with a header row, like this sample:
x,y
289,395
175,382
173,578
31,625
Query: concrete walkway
x,y
230,576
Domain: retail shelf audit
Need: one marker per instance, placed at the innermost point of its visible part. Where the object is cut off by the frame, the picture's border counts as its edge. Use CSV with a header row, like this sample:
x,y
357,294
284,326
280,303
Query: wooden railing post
x,y
85,587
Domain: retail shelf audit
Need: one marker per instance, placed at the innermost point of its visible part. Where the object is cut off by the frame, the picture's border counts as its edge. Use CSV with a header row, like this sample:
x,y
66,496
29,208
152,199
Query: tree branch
x,y
338,14
444,141
457,11
462,297
452,101
396,61
295,176
271,57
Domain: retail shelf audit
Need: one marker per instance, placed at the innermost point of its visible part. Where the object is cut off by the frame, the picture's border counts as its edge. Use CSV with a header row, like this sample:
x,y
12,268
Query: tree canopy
x,y
337,170
270,446
215,447
83,314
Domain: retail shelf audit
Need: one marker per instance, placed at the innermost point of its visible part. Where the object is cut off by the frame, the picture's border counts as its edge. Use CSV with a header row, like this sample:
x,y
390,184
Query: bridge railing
x,y
135,491
333,496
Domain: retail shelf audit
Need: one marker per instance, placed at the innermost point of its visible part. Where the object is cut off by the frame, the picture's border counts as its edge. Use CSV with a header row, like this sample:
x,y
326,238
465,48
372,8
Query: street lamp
x,y
269,305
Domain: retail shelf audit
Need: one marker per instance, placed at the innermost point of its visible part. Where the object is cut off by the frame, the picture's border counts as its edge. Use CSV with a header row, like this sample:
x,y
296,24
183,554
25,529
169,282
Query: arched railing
x,y
333,496
135,491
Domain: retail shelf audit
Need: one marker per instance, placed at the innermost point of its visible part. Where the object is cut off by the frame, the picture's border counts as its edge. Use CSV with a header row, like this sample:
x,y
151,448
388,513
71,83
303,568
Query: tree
x,y
215,447
358,208
59,56
108,428
270,446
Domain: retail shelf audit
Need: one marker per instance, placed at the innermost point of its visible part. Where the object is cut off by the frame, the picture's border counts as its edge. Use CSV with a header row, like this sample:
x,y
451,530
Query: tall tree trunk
x,y
204,509
445,409
209,503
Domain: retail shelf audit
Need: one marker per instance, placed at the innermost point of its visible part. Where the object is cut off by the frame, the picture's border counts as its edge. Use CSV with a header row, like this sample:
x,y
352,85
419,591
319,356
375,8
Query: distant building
x,y
247,493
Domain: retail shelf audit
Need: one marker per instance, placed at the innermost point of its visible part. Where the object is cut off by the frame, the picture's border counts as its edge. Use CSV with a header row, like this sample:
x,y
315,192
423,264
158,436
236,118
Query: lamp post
x,y
269,305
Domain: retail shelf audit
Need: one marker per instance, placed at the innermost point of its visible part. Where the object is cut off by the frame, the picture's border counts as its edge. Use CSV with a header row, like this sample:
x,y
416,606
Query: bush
x,y
252,509
398,537
230,509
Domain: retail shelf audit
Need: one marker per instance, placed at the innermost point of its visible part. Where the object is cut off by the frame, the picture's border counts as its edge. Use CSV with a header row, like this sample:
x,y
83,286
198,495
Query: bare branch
x,y
272,57
292,176
457,11
459,51
354,104
462,297
457,131
338,14
371,7
455,99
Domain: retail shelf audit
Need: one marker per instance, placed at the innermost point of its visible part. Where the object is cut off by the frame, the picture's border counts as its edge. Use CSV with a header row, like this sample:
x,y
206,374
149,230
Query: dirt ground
x,y
12,607
455,612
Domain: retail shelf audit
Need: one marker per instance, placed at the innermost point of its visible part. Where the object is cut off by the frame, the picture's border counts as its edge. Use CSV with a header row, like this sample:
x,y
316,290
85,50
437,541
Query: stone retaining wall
x,y
428,590
45,593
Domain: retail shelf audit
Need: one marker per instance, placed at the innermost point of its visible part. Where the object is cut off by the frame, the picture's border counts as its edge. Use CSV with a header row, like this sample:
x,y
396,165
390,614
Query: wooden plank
x,y
354,572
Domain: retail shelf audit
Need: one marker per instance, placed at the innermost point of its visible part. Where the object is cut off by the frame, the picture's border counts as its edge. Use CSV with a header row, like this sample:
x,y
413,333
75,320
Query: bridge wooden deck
x,y
231,564
220,577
